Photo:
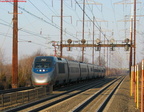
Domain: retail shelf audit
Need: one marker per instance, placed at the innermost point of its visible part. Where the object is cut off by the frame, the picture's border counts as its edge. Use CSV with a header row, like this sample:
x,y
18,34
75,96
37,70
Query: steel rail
x,y
45,99
103,105
52,103
87,101
60,100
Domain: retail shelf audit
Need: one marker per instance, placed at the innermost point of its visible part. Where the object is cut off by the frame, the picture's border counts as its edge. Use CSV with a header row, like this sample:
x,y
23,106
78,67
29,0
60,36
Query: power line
x,y
63,20
39,11
54,25
24,30
6,35
91,20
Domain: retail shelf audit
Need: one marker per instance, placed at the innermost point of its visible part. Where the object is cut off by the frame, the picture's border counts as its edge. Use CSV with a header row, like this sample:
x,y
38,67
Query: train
x,y
51,70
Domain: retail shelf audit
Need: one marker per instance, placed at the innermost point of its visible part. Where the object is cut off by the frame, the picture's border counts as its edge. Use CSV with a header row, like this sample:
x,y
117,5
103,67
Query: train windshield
x,y
43,63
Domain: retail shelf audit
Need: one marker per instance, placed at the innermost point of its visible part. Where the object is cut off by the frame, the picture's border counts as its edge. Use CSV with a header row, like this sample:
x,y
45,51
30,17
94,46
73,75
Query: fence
x,y
14,99
137,85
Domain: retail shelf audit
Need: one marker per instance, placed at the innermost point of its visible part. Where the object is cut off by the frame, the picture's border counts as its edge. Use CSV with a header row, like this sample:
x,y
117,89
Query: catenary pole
x,y
15,46
83,29
61,30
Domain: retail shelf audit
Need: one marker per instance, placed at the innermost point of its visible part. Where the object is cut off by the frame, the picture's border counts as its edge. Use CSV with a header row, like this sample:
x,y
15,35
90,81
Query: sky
x,y
39,22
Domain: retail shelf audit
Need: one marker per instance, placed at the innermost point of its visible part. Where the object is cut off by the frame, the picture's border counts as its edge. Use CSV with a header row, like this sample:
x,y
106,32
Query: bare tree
x,y
25,66
100,61
79,58
69,57
2,70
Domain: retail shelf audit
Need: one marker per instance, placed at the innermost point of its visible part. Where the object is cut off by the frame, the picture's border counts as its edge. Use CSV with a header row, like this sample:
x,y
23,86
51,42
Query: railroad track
x,y
16,97
98,101
76,99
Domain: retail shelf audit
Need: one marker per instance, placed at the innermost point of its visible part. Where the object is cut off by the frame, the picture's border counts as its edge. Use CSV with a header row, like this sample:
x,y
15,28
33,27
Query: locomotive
x,y
50,70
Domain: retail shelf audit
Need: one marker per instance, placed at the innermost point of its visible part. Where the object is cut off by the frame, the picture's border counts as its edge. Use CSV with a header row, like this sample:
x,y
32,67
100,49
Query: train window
x,y
42,62
91,69
77,70
83,70
61,67
42,65
74,70
59,58
96,70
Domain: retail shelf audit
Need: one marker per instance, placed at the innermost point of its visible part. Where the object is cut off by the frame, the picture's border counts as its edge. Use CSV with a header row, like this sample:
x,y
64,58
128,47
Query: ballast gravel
x,y
122,101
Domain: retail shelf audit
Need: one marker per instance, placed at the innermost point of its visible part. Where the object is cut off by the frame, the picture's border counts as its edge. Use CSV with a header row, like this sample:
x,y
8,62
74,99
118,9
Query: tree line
x,y
25,67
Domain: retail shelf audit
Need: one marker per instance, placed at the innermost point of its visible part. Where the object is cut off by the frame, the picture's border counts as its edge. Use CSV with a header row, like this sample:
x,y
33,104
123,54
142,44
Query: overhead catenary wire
x,y
91,10
41,18
56,14
26,31
23,30
115,23
52,24
98,27
6,34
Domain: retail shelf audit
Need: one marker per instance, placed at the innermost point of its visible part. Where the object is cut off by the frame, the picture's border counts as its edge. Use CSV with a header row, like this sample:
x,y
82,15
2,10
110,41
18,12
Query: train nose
x,y
41,79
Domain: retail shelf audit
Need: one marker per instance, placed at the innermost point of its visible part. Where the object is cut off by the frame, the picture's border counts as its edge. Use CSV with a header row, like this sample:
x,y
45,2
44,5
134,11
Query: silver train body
x,y
48,70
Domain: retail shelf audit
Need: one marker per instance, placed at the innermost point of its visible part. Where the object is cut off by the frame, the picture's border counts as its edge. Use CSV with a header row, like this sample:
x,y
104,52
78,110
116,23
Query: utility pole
x,y
83,29
61,30
55,49
99,50
131,38
15,46
134,32
61,27
93,42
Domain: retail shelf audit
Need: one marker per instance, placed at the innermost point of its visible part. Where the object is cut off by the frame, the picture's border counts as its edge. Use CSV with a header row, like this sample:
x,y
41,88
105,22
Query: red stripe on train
x,y
41,83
